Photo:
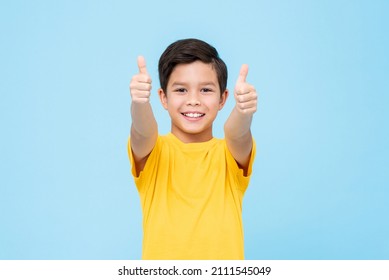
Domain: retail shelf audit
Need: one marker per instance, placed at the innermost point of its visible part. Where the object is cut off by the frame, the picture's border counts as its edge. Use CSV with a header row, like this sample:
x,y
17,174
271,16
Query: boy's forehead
x,y
197,70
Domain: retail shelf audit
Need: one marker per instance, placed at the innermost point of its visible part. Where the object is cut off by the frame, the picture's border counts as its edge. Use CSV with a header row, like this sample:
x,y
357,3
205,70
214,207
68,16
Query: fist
x,y
245,94
140,85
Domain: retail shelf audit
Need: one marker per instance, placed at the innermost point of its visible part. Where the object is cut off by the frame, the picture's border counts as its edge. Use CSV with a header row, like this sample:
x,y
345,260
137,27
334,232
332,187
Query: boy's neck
x,y
192,138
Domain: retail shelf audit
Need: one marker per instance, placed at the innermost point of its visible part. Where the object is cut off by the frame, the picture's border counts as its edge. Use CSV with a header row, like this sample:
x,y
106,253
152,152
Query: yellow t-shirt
x,y
191,197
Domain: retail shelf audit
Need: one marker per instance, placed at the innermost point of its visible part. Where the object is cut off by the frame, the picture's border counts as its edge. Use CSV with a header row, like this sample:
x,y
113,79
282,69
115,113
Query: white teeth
x,y
193,115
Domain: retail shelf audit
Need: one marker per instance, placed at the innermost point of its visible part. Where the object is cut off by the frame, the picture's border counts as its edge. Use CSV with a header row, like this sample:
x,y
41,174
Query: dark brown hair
x,y
187,51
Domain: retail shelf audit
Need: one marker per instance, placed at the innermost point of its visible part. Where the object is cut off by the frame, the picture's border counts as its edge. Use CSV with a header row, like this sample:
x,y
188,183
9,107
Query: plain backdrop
x,y
320,184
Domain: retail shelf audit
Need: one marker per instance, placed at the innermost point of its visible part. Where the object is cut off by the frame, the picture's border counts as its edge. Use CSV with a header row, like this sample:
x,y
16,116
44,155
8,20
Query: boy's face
x,y
193,100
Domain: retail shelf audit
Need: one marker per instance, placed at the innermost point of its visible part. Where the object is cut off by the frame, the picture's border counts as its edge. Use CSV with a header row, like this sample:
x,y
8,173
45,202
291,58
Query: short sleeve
x,y
146,174
242,180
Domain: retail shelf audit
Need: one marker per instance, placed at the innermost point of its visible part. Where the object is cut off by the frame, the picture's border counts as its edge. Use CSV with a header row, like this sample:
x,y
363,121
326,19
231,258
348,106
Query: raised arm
x,y
237,127
144,129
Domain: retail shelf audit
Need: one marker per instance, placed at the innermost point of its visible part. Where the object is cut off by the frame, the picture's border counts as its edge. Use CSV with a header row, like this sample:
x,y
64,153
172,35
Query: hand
x,y
245,94
140,85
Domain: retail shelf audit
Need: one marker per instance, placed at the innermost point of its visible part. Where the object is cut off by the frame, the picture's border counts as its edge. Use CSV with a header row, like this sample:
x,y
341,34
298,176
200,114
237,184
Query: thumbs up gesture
x,y
140,85
245,94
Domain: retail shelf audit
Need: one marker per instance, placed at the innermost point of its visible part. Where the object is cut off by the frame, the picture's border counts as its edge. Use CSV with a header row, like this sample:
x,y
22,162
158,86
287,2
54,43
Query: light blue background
x,y
320,183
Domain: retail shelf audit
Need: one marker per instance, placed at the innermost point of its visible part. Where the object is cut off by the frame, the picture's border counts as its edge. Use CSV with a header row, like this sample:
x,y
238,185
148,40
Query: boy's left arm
x,y
237,127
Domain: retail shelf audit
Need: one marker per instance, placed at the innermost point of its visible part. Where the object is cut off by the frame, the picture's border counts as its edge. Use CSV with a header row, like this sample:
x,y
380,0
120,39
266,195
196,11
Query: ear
x,y
223,99
163,98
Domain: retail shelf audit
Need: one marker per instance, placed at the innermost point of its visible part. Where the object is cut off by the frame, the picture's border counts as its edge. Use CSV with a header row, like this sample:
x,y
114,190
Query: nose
x,y
193,99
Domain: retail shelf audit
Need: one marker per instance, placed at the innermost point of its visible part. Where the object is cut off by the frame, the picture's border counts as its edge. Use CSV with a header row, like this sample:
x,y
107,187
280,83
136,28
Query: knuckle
x,y
145,78
141,100
239,89
135,78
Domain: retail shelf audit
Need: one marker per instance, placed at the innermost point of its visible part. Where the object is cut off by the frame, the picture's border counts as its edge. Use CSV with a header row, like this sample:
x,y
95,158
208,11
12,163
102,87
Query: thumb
x,y
142,65
244,70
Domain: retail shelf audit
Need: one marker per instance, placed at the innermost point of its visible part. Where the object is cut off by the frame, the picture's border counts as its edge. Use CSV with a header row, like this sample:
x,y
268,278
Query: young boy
x,y
191,185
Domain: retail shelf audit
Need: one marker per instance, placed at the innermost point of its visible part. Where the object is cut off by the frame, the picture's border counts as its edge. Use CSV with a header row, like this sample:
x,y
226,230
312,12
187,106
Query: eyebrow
x,y
202,84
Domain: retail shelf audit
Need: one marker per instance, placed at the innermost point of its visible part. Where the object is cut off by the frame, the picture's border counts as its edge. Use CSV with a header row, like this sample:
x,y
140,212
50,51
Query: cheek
x,y
214,103
174,103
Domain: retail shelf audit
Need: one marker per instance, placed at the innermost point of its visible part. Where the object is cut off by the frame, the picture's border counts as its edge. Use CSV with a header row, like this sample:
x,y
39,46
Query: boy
x,y
190,184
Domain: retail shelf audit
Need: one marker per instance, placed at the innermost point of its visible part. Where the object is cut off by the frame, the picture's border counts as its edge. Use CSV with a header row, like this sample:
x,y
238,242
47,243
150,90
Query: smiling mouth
x,y
193,115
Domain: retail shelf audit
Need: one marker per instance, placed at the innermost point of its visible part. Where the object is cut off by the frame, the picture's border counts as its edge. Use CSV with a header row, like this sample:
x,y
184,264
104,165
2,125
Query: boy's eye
x,y
180,90
206,90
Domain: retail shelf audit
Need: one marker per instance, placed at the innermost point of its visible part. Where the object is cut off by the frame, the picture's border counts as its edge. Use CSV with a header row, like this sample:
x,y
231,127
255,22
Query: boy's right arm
x,y
144,129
